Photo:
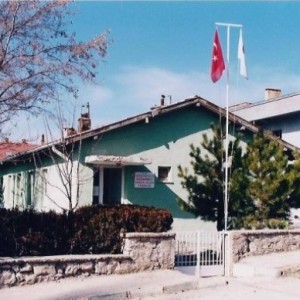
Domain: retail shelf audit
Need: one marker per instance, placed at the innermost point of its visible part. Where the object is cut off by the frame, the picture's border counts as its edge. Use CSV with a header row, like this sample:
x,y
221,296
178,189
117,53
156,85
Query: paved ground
x,y
242,289
170,284
159,285
271,265
116,286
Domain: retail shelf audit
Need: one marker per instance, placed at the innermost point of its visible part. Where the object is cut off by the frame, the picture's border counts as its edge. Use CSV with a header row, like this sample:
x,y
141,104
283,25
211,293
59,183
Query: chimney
x,y
6,140
162,100
24,141
70,131
84,122
43,139
272,93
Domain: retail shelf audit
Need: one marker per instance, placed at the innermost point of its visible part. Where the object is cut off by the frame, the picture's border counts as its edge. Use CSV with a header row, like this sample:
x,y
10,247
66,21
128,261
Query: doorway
x,y
107,185
112,185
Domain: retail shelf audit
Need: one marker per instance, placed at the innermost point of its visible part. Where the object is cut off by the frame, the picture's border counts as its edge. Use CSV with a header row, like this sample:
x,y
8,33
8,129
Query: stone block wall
x,y
150,251
142,251
245,243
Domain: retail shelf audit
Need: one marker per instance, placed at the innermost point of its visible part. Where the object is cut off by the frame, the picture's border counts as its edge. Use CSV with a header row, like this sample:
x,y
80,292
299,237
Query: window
x,y
17,190
45,178
278,133
28,195
39,187
164,174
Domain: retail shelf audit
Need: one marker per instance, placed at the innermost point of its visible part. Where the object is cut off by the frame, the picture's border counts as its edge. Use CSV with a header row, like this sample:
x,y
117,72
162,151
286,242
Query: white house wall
x,y
56,193
49,192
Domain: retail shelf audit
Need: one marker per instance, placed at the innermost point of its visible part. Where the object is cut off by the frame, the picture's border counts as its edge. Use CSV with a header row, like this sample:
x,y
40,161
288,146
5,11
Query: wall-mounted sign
x,y
144,180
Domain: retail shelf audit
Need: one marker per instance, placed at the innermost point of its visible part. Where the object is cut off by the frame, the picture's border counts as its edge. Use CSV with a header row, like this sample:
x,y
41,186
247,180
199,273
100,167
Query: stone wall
x,y
142,251
150,250
258,242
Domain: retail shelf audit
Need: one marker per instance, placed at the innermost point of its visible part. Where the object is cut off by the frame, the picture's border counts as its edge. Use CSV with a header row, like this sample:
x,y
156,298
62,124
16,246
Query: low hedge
x,y
90,229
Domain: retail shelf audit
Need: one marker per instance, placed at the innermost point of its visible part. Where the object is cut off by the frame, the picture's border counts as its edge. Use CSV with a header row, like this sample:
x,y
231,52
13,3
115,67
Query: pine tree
x,y
294,169
271,178
205,185
263,185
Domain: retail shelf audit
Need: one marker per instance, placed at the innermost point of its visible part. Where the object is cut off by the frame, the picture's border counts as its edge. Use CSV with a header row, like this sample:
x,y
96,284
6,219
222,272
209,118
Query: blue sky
x,y
165,48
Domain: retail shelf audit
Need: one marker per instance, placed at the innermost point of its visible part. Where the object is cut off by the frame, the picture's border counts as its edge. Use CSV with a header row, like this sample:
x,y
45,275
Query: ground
x,y
150,286
286,288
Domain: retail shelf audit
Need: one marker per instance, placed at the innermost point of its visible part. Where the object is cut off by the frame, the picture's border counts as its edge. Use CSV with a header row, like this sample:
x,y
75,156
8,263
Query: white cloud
x,y
97,95
135,89
147,84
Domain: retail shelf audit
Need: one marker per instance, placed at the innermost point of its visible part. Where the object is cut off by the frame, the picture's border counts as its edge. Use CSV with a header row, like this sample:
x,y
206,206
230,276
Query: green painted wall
x,y
143,136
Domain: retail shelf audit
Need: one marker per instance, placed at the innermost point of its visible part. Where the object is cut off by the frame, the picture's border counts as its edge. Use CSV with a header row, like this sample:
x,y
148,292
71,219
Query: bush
x,y
24,233
251,222
97,229
90,229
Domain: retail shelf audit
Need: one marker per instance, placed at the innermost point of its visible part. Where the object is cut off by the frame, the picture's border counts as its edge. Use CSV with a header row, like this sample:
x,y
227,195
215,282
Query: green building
x,y
133,161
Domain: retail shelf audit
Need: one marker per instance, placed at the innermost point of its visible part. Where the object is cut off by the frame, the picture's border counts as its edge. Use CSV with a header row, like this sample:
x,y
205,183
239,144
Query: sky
x,y
165,47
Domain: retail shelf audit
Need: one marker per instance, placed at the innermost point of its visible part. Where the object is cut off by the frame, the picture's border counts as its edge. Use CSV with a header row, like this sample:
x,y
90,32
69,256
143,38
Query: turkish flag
x,y
217,65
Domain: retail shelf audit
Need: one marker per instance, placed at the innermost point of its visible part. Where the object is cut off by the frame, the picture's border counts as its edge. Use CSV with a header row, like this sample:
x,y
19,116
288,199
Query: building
x,y
8,148
277,113
133,161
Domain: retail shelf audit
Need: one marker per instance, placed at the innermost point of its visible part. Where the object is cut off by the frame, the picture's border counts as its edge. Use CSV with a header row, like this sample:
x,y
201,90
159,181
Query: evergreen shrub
x,y
90,229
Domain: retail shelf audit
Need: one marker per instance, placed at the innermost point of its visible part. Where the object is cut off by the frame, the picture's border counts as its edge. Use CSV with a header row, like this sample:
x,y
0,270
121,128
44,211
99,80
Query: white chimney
x,y
272,93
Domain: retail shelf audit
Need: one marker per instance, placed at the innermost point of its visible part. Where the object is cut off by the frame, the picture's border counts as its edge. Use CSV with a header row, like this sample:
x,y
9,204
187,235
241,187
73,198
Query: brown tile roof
x,y
10,148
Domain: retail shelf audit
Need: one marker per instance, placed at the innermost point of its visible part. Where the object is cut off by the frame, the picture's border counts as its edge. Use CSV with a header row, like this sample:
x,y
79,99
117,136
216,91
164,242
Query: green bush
x,y
252,222
90,229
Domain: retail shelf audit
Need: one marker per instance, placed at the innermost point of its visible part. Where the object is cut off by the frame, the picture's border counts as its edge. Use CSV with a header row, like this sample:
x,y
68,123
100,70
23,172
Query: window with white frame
x,y
164,174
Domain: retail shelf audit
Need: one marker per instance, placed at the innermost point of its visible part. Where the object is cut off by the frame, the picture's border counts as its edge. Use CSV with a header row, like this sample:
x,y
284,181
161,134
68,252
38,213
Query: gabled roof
x,y
196,101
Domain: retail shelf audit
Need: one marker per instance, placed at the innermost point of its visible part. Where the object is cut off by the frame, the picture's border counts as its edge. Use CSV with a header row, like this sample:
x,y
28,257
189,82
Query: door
x,y
112,185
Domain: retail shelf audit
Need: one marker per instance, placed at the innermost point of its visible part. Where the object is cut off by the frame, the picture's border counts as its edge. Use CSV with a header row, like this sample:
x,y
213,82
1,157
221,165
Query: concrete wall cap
x,y
65,258
150,235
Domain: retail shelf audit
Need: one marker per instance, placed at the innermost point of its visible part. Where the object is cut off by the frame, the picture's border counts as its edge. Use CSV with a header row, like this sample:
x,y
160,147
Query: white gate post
x,y
228,253
198,255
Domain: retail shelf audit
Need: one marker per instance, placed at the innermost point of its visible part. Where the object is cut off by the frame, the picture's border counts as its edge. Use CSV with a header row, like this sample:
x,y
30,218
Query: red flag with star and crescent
x,y
217,65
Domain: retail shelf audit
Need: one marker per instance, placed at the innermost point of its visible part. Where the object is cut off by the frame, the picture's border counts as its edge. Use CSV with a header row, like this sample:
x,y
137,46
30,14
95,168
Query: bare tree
x,y
39,57
65,156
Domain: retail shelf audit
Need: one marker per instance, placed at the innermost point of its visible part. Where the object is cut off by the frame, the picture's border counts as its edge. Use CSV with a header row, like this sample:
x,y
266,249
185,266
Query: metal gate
x,y
200,253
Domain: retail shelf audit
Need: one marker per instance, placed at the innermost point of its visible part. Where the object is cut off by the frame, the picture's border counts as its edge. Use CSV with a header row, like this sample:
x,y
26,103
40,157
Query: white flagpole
x,y
226,198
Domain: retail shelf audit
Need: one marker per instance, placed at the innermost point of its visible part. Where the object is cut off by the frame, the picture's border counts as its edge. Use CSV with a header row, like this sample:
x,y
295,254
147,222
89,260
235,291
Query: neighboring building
x,y
277,113
133,161
8,148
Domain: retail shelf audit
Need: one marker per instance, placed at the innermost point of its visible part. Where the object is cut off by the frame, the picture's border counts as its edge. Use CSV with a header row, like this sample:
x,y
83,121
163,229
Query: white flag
x,y
241,56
